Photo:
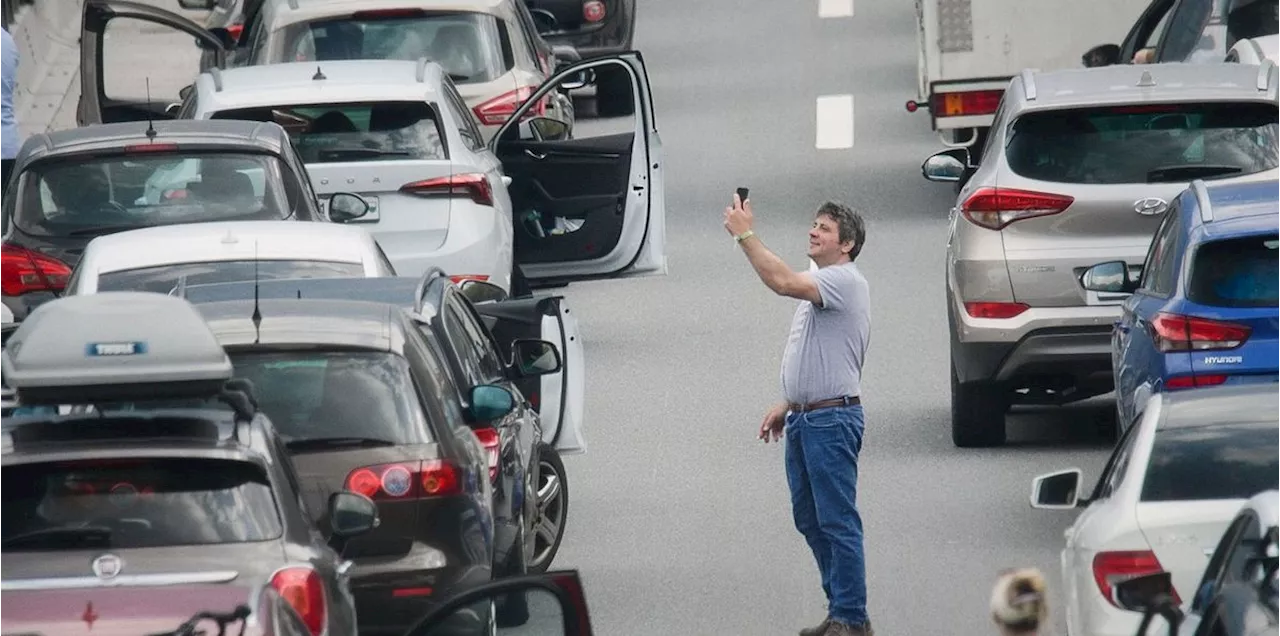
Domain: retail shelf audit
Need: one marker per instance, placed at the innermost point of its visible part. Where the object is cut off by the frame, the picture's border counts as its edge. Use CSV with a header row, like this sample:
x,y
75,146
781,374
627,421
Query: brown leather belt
x,y
825,404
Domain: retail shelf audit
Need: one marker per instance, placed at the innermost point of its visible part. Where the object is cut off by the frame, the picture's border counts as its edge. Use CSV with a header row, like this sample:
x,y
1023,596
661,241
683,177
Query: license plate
x,y
371,217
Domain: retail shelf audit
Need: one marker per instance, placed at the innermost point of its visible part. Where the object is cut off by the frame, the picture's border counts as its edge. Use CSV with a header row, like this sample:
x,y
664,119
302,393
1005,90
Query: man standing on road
x,y
822,415
8,125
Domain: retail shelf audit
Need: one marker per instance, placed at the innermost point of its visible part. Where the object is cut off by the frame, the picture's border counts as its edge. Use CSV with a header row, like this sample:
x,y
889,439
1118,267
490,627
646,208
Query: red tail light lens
x,y
472,185
1110,568
141,148
995,310
491,441
405,480
235,30
301,587
499,109
966,103
23,271
1193,381
593,11
996,208
1188,333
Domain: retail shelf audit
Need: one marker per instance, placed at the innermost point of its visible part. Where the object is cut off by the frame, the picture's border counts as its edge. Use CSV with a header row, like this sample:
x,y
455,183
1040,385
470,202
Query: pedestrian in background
x,y
822,414
8,123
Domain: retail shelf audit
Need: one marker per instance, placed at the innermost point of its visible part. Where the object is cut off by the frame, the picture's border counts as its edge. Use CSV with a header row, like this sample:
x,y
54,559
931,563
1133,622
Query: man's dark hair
x,y
850,224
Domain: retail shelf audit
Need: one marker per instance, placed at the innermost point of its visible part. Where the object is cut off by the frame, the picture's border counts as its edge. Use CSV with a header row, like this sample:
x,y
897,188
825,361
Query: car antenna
x,y
319,74
151,126
257,312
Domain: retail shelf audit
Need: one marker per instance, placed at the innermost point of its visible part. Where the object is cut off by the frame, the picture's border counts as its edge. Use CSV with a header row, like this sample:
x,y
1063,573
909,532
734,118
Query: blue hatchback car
x,y
1205,309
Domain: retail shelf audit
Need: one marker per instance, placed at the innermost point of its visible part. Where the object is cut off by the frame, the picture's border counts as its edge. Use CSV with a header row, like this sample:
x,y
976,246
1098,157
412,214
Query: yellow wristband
x,y
744,236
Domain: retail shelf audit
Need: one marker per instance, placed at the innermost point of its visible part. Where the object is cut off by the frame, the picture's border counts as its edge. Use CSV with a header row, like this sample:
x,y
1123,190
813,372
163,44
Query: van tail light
x,y
964,103
472,185
1197,380
996,208
23,271
498,110
1111,568
406,480
491,441
302,588
593,11
1188,333
995,310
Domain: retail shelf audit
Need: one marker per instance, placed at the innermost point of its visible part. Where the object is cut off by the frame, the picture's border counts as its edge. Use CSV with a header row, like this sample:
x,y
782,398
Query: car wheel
x,y
977,413
552,509
614,93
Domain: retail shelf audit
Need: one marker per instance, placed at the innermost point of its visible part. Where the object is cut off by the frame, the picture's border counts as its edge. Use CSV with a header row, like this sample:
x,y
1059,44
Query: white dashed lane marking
x,y
834,128
835,8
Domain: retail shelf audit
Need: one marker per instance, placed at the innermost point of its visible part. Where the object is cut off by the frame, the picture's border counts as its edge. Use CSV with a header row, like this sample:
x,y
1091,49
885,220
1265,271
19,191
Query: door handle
x,y
535,154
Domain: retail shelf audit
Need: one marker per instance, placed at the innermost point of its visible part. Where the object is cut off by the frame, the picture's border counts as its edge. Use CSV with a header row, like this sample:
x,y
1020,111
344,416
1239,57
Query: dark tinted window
x,y
1159,272
1239,272
468,45
153,188
1252,19
1158,143
316,395
325,133
164,278
1185,28
117,504
1223,461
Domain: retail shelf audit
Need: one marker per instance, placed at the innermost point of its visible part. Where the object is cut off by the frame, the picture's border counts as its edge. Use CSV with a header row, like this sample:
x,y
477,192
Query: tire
x,y
552,512
977,413
614,93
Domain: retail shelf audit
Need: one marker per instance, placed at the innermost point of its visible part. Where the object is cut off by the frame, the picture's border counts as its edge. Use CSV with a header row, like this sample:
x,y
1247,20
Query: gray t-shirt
x,y
827,344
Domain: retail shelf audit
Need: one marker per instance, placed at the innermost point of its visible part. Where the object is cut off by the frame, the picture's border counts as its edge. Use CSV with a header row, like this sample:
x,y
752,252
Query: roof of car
x,y
228,240
294,11
1142,83
261,136
295,83
1219,405
1237,208
309,322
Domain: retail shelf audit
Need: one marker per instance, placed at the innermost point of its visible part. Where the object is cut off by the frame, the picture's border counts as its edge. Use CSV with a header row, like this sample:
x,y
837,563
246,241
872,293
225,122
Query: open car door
x,y
135,59
586,207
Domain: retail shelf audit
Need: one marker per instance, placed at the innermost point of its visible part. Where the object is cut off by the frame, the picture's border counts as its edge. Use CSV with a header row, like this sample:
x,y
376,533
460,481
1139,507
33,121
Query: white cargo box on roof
x,y
114,346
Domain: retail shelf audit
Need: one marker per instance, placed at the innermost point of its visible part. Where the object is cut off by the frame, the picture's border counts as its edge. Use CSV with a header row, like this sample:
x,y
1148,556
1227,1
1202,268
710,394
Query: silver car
x,y
1079,168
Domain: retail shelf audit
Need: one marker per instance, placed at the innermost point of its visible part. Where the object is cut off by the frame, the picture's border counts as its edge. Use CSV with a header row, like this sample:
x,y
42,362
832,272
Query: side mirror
x,y
480,291
1111,277
490,402
1101,55
172,109
551,604
185,91
535,357
351,514
565,54
581,80
344,206
548,129
947,166
198,5
1056,491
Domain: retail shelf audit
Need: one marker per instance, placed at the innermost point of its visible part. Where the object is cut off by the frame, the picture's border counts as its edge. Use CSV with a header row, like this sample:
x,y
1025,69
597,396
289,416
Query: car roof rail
x,y
1029,84
1201,193
1264,74
216,73
420,294
421,74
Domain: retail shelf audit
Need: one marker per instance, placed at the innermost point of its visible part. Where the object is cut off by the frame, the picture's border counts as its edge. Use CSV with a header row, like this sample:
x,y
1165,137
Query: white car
x,y
1169,490
1255,50
163,258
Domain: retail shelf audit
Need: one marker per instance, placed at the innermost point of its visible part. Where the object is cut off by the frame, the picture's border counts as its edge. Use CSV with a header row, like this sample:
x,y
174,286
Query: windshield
x,y
163,279
81,198
325,133
1223,461
136,503
321,395
1238,272
1155,143
468,45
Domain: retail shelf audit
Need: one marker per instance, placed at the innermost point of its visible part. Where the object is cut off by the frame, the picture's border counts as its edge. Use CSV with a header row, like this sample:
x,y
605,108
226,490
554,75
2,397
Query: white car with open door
x,y
584,208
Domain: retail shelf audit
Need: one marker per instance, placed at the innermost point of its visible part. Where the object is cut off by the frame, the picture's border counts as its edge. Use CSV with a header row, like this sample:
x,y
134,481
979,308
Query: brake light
x,y
387,13
1188,333
498,110
406,480
966,103
491,441
473,185
1110,568
996,208
1192,381
23,271
593,11
235,30
457,280
994,310
141,148
301,587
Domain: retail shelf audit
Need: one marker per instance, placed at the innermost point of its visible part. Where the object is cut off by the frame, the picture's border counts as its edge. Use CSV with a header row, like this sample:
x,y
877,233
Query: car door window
x,y
1116,467
528,32
467,126
481,346
1214,570
431,380
1159,266
456,335
1186,25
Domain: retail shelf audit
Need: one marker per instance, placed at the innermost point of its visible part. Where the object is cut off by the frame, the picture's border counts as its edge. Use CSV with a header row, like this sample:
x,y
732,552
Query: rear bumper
x,y
390,602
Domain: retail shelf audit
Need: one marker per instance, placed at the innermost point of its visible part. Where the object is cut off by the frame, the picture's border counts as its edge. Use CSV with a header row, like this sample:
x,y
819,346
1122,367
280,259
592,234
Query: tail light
x,y
23,271
491,441
134,149
966,103
1193,381
996,208
593,11
472,185
406,480
1110,568
457,280
301,587
498,110
235,30
994,310
1188,333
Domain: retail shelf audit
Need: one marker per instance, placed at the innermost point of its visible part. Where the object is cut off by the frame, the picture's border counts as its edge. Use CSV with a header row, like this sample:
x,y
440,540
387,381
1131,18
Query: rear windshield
x,y
316,395
1157,143
151,503
326,133
1238,272
468,45
1227,461
165,278
89,197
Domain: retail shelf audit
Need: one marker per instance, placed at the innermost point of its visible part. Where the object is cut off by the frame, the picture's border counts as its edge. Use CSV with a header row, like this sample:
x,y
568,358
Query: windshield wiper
x,y
1165,174
325,443
238,615
54,536
103,229
332,153
459,78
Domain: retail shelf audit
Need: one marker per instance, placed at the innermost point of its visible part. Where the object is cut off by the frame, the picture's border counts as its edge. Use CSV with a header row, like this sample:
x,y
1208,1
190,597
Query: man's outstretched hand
x,y
773,423
737,218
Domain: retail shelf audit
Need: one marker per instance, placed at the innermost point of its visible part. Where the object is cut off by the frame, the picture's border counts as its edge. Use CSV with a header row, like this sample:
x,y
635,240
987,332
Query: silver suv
x,y
1079,168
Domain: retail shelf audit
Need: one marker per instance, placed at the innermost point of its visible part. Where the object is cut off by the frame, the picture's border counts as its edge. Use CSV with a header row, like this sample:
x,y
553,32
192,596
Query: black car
x,y
594,28
73,185
167,491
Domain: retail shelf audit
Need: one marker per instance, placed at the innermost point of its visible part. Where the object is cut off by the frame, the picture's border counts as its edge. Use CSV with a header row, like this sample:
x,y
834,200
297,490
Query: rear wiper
x,y
332,153
459,78
323,443
47,536
1165,174
103,229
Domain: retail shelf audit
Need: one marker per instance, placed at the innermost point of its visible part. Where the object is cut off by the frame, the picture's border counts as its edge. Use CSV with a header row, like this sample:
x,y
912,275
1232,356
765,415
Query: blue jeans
x,y
822,470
